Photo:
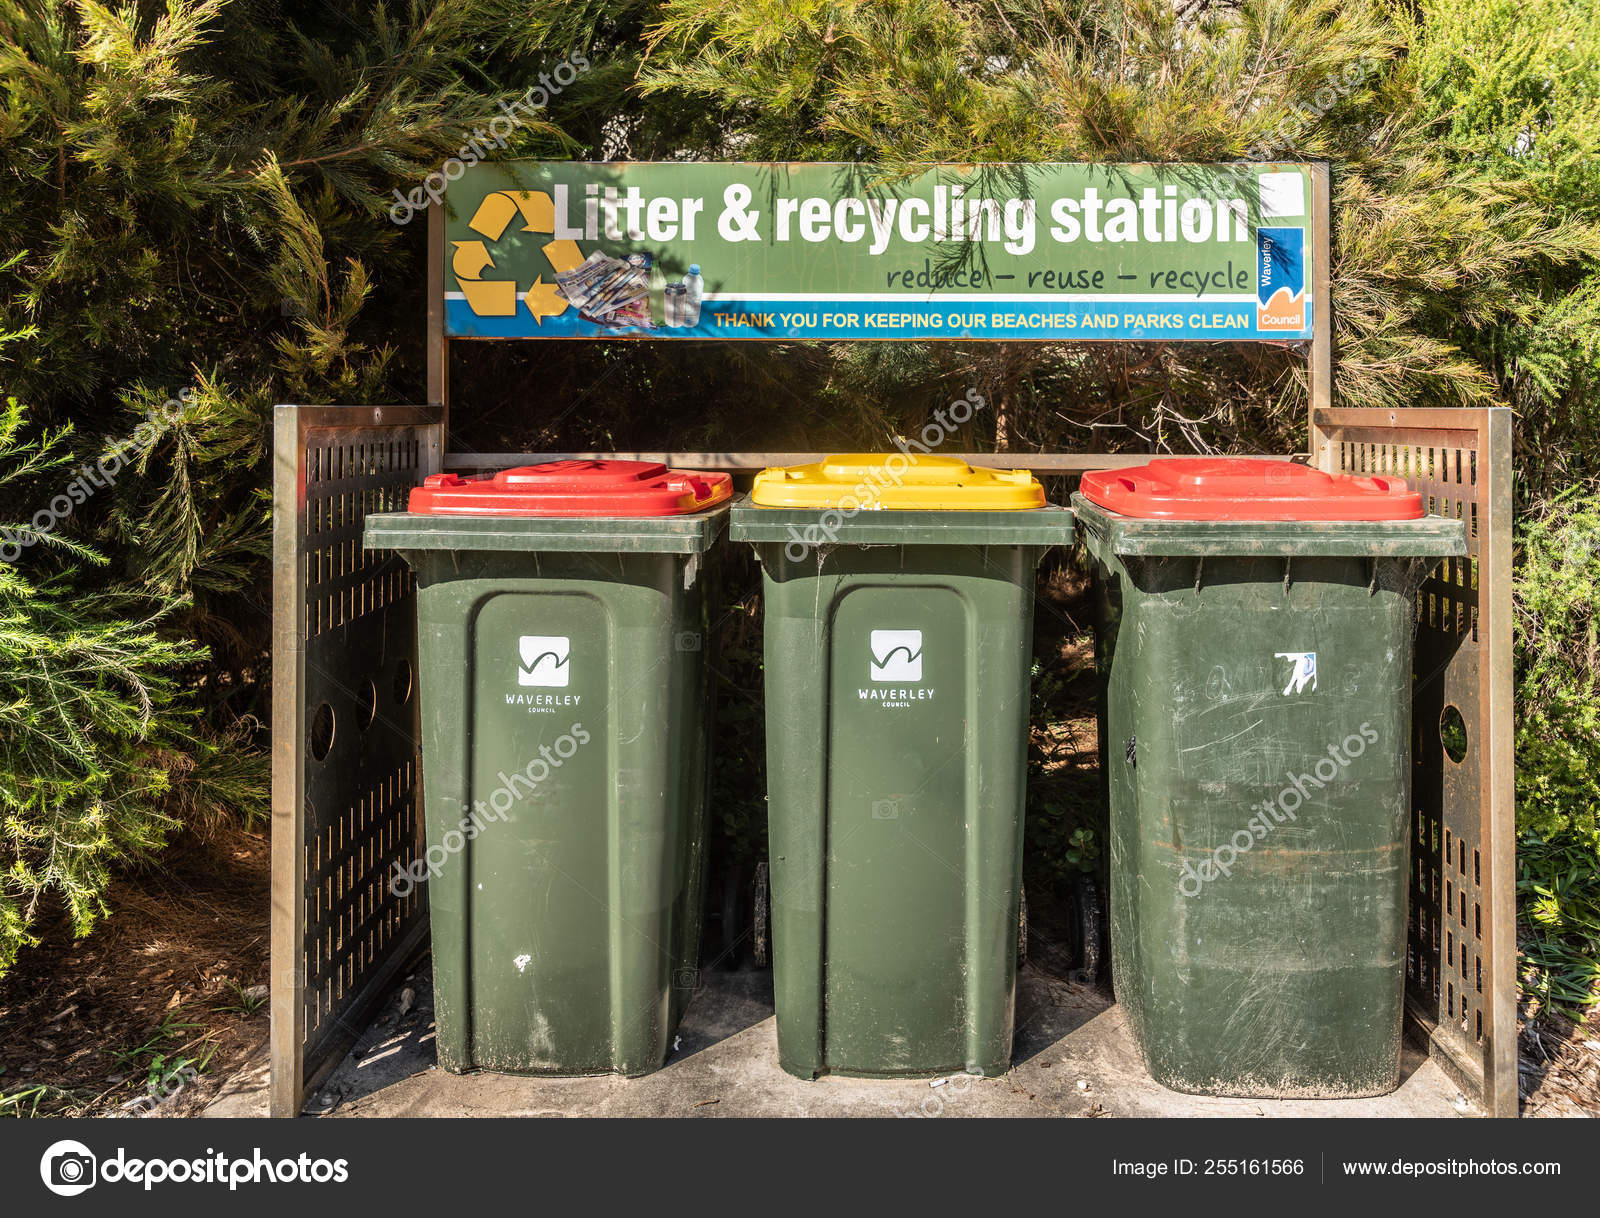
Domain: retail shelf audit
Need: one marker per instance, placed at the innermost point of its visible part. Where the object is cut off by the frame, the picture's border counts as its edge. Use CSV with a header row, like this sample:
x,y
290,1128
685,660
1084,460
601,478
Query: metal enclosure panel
x,y
1461,982
344,729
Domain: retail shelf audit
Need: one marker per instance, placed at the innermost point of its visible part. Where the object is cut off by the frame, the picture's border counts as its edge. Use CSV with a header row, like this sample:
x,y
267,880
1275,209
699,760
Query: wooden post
x,y
1321,362
438,344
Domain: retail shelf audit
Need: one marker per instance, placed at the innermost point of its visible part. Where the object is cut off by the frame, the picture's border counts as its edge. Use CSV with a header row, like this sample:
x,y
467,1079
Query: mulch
x,y
1559,1065
175,975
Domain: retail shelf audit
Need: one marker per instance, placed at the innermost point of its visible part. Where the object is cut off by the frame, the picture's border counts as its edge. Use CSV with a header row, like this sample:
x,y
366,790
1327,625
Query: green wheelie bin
x,y
898,607
561,609
1255,652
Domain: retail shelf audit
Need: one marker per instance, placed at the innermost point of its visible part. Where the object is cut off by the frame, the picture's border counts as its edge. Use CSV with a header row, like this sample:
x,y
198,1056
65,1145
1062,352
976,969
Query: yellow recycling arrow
x,y
470,259
538,213
491,298
492,216
564,255
498,298
544,300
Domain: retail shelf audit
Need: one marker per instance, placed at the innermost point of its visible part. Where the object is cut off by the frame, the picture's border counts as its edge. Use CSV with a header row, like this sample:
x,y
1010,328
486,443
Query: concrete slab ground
x,y
1074,1057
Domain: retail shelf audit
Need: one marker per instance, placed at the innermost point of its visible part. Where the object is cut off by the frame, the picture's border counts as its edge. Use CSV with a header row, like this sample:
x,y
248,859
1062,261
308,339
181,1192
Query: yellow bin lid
x,y
897,482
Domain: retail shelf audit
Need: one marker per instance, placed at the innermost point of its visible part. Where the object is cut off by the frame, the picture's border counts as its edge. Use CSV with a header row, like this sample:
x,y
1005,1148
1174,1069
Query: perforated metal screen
x,y
345,766
1461,950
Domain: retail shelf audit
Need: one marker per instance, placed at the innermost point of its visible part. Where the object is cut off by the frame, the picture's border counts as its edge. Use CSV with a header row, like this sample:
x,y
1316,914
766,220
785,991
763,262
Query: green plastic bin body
x,y
1260,802
566,928
897,683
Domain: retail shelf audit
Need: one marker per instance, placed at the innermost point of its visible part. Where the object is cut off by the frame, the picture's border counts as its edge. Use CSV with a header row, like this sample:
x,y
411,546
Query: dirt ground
x,y
159,1005
1559,1066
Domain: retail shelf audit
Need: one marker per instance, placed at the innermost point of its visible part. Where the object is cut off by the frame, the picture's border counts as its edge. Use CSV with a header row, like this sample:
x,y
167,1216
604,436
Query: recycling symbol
x,y
499,297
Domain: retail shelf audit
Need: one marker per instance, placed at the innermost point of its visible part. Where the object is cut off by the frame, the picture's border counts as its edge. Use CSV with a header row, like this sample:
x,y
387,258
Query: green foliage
x,y
91,738
1558,905
194,212
1557,595
738,760
26,1101
168,1055
1517,87
1065,813
244,1001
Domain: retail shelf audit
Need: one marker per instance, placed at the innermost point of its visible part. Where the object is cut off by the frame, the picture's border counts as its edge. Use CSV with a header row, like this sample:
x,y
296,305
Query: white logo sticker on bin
x,y
1302,672
544,660
896,655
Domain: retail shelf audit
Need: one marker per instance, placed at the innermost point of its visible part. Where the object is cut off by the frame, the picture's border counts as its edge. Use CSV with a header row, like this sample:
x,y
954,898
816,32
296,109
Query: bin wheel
x,y
1091,930
733,916
760,910
1022,927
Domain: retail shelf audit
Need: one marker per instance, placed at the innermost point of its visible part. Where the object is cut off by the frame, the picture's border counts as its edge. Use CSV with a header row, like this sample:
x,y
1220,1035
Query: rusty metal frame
x,y
749,462
343,621
1461,977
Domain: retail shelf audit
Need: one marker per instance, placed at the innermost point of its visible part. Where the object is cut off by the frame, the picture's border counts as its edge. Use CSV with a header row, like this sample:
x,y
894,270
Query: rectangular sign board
x,y
696,250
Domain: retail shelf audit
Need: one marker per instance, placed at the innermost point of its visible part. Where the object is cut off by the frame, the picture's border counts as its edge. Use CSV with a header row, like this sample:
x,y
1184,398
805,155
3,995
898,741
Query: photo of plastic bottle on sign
x,y
789,251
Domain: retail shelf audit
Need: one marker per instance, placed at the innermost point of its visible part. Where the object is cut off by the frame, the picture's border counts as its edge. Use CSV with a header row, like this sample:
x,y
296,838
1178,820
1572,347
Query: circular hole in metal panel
x,y
402,682
321,734
1453,734
366,705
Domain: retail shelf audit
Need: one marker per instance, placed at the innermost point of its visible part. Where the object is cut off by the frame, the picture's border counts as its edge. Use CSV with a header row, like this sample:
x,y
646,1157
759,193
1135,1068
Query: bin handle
x,y
705,489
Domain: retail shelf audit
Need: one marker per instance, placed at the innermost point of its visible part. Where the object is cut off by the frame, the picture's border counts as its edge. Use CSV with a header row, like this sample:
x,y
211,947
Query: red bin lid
x,y
1247,489
573,488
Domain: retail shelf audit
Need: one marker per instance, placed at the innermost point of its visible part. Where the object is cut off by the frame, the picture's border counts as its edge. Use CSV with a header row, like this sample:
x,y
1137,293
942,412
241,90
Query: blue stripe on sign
x,y
825,318
1282,258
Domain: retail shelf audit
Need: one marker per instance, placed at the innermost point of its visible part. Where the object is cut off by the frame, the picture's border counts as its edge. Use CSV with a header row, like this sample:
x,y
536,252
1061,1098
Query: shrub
x,y
95,726
1558,699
